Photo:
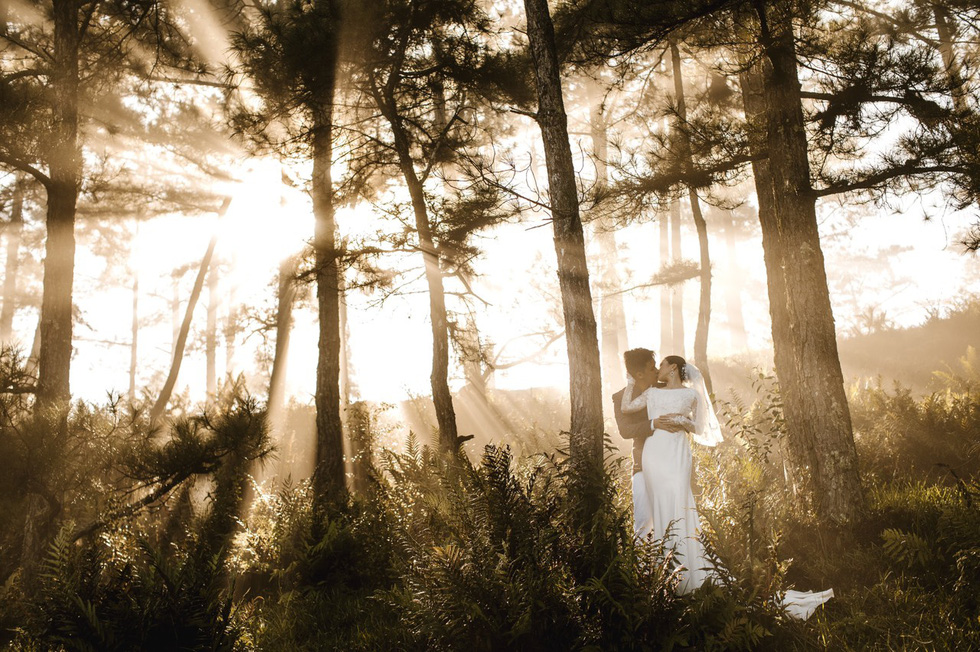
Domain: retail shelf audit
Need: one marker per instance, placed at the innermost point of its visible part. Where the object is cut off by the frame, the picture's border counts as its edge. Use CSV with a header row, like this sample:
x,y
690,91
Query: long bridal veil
x,y
707,431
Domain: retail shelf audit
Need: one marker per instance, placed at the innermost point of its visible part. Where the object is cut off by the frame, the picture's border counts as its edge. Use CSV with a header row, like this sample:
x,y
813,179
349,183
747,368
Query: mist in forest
x,y
312,313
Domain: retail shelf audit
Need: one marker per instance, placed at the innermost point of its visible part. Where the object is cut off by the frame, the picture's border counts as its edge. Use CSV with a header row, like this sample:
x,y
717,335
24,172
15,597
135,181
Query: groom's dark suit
x,y
632,425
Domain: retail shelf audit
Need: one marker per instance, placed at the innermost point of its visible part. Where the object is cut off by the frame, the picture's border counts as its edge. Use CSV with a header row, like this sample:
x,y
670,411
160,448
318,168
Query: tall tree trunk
x,y
347,385
328,478
438,317
946,30
733,290
35,354
134,340
175,319
231,325
666,315
14,233
64,163
704,305
156,412
585,386
612,316
211,334
676,290
285,297
807,364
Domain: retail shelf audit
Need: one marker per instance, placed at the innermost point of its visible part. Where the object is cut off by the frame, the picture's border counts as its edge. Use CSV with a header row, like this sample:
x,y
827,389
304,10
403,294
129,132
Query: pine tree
x,y
292,53
573,275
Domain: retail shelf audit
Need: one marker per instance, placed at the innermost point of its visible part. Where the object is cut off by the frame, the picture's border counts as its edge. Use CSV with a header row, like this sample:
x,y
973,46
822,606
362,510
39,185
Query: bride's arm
x,y
631,404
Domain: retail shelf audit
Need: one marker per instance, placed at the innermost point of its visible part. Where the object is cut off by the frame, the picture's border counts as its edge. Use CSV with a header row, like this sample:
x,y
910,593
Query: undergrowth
x,y
496,553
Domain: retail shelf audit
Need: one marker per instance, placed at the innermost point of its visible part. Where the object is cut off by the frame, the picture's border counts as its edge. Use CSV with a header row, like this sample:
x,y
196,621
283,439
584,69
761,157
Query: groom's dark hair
x,y
637,359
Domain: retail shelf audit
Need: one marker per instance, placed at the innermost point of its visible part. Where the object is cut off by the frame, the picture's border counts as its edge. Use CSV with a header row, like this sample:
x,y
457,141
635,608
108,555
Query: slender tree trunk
x,y
285,296
64,163
666,316
573,275
14,233
676,290
156,412
361,429
704,305
733,290
347,385
35,354
134,341
211,334
612,316
438,317
807,364
946,29
174,313
328,478
231,326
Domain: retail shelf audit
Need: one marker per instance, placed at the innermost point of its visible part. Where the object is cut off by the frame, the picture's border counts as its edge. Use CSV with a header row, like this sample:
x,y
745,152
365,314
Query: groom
x,y
641,364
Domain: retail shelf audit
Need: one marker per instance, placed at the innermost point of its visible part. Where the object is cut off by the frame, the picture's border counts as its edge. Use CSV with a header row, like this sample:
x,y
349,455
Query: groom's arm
x,y
674,422
632,425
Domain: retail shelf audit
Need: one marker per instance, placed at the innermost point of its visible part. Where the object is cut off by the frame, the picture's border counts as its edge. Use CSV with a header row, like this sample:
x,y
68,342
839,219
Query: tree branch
x,y
128,510
19,389
876,180
830,97
190,82
24,166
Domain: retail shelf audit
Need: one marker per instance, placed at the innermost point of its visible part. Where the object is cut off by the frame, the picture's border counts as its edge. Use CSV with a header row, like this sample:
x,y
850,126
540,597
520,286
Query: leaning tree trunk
x,y
439,379
328,478
14,232
285,298
704,306
64,164
804,338
585,387
156,412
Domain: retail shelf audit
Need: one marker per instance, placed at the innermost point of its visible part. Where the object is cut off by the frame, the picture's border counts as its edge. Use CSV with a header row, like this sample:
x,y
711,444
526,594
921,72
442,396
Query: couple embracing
x,y
657,409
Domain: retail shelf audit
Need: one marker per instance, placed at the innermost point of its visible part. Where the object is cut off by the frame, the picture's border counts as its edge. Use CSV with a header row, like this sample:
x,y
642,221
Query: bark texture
x,y
573,275
804,338
438,318
64,164
328,477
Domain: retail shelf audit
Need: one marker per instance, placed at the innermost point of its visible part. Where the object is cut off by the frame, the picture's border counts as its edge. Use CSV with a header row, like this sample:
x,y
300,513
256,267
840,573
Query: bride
x,y
666,461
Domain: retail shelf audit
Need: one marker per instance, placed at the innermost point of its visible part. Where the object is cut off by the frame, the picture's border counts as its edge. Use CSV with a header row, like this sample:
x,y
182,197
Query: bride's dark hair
x,y
681,365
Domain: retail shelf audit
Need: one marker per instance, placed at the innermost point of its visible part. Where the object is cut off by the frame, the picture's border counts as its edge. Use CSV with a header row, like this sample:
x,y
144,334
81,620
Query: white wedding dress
x,y
667,466
667,481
